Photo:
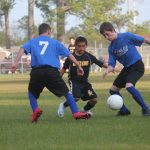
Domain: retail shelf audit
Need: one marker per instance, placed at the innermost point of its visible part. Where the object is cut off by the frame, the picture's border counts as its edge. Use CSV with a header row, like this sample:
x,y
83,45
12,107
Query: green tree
x,y
92,12
143,29
5,8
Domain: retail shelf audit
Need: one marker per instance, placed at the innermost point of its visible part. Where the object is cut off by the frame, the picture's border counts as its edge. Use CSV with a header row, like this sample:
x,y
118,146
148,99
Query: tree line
x,y
91,12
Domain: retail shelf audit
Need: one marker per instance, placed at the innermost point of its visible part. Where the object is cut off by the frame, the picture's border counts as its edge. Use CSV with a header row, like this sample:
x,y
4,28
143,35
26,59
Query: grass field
x,y
104,131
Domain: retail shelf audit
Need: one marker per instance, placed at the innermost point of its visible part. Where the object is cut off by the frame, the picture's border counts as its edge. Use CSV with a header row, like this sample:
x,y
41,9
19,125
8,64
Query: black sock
x,y
88,106
65,104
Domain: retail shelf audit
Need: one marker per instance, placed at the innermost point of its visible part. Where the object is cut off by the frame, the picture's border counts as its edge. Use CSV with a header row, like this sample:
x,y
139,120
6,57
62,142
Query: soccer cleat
x,y
36,114
61,110
87,111
81,115
146,112
123,113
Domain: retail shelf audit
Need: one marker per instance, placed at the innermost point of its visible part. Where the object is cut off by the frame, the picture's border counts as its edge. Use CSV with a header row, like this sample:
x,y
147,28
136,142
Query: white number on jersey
x,y
45,43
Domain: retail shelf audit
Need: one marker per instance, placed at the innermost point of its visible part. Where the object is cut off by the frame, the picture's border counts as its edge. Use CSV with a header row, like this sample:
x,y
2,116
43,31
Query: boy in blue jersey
x,y
45,64
123,49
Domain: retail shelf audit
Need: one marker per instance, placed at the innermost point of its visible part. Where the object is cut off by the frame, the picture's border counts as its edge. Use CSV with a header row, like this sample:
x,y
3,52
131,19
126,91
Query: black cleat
x,y
123,113
146,112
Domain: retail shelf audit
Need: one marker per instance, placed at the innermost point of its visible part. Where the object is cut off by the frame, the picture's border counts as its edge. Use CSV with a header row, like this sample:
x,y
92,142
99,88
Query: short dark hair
x,y
106,26
44,28
81,39
71,38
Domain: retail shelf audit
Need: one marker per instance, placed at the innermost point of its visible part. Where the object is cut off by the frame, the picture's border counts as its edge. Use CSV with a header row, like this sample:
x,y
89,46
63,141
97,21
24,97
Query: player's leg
x,y
35,87
118,84
75,89
88,94
135,73
57,86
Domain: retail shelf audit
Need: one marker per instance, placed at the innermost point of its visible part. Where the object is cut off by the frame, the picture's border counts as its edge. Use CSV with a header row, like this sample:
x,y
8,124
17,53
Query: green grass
x,y
104,131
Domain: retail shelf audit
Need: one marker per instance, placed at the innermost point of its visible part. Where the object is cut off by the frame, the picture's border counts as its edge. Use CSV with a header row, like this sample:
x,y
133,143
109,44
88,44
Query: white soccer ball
x,y
115,102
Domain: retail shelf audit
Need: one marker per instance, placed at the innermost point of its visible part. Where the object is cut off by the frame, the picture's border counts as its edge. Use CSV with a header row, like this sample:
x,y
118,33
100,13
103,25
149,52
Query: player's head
x,y
44,29
108,31
81,44
72,40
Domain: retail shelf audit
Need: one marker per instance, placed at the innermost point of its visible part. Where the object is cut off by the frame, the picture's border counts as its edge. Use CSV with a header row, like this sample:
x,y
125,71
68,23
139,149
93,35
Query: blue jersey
x,y
124,49
45,51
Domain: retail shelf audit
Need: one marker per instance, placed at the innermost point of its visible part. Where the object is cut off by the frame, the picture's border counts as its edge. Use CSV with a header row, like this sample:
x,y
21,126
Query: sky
x,y
21,9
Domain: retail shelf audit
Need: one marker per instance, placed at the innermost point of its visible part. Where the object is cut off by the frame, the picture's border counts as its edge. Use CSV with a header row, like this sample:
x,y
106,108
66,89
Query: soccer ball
x,y
115,102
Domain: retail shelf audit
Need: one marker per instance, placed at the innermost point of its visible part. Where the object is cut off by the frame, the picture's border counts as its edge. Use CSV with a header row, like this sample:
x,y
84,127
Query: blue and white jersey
x,y
124,49
45,51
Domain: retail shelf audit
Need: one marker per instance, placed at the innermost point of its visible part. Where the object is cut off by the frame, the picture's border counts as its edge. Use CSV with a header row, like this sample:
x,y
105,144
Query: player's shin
x,y
71,102
137,96
33,101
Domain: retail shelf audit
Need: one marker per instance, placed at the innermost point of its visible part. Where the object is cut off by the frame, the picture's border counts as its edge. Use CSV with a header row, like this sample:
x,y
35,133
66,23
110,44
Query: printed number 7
x,y
45,43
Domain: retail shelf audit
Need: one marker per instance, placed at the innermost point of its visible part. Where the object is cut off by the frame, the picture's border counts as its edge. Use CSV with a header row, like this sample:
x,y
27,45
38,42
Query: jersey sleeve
x,y
135,39
95,61
27,47
66,64
62,50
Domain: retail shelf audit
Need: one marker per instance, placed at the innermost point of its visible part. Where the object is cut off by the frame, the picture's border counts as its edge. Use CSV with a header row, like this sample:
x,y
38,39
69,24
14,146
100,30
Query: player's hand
x,y
105,73
80,71
116,70
13,67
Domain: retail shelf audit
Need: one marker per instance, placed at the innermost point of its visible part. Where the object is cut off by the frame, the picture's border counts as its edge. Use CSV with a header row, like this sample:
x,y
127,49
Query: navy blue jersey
x,y
124,49
45,51
85,61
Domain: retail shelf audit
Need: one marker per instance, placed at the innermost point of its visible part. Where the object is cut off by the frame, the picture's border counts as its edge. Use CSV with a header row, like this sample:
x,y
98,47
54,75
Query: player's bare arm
x,y
62,71
147,40
107,70
15,64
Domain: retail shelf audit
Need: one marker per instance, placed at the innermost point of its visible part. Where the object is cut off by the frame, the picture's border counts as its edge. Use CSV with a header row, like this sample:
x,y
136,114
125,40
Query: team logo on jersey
x,y
121,51
82,63
90,93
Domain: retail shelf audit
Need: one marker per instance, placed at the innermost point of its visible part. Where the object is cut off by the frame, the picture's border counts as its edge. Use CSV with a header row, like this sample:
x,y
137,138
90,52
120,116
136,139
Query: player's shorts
x,y
82,90
130,74
48,77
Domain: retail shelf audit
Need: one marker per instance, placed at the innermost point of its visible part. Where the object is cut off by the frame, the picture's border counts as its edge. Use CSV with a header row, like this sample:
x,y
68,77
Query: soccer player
x,y
45,53
80,87
123,49
71,46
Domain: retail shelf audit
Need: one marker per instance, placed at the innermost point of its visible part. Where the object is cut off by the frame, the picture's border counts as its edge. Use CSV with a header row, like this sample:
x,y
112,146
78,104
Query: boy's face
x,y
110,35
72,41
81,47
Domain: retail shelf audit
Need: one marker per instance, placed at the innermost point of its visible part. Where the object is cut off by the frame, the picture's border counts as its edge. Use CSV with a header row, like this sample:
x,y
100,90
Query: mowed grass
x,y
104,131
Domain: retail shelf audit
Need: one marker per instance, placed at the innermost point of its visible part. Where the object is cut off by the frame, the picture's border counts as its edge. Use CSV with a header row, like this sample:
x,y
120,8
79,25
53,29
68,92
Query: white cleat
x,y
87,111
61,110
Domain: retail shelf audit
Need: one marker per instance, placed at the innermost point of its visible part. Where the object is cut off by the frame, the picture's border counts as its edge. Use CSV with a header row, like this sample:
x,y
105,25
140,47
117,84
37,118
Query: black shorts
x,y
82,90
130,74
48,77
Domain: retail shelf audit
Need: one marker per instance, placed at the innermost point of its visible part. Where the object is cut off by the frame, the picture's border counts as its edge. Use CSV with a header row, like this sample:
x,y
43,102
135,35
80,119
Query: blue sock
x,y
33,101
71,102
123,108
137,96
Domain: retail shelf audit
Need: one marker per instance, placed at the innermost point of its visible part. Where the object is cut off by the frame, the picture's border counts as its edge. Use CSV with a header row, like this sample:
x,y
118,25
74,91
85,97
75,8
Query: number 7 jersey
x,y
45,51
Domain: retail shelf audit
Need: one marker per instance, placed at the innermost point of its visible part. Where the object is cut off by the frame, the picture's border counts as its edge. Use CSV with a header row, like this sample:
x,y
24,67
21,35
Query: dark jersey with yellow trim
x,y
85,60
71,48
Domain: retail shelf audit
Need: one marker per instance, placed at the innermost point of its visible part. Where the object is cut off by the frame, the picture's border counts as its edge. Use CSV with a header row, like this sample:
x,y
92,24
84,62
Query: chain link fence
x,y
101,53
